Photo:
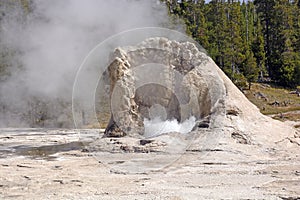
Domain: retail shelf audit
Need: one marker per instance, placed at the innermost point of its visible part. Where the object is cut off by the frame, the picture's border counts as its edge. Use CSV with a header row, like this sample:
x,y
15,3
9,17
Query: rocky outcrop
x,y
164,78
175,80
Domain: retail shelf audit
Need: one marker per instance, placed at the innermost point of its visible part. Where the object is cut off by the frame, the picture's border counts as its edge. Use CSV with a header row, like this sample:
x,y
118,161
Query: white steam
x,y
156,126
50,42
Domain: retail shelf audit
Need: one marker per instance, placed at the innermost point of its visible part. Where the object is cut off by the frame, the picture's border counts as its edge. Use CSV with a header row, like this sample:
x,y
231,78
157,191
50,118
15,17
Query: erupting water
x,y
156,126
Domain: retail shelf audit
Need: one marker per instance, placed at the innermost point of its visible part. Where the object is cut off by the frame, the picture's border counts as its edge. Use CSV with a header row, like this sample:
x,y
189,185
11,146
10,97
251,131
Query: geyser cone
x,y
161,72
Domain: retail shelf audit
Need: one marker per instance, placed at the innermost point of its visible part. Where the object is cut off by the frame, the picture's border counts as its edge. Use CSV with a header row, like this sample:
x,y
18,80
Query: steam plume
x,y
49,40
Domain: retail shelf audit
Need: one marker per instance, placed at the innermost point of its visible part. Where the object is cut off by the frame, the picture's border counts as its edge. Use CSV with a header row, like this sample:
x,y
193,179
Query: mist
x,y
157,126
49,40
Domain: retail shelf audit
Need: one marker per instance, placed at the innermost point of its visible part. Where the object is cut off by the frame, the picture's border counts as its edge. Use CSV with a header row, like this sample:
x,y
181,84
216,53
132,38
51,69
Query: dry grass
x,y
281,110
292,116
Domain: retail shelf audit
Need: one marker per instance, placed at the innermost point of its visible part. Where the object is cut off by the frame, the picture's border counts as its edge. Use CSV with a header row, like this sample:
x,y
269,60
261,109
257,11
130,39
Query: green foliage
x,y
258,49
281,30
249,68
240,81
290,69
248,40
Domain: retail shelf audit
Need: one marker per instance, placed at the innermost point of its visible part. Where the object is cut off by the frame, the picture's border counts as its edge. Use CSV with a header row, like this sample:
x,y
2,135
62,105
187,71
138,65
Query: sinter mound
x,y
187,83
159,73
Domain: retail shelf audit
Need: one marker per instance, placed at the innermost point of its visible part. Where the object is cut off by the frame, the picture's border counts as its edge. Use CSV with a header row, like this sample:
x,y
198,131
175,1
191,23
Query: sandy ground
x,y
68,171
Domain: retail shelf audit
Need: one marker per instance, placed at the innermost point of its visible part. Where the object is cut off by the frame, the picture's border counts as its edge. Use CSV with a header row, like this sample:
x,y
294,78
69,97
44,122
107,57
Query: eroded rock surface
x,y
158,71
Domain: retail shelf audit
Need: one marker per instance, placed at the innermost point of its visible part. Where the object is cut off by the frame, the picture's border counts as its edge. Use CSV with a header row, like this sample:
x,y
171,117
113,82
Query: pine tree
x,y
194,14
297,42
236,53
249,68
217,25
202,27
287,58
265,9
247,40
258,49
